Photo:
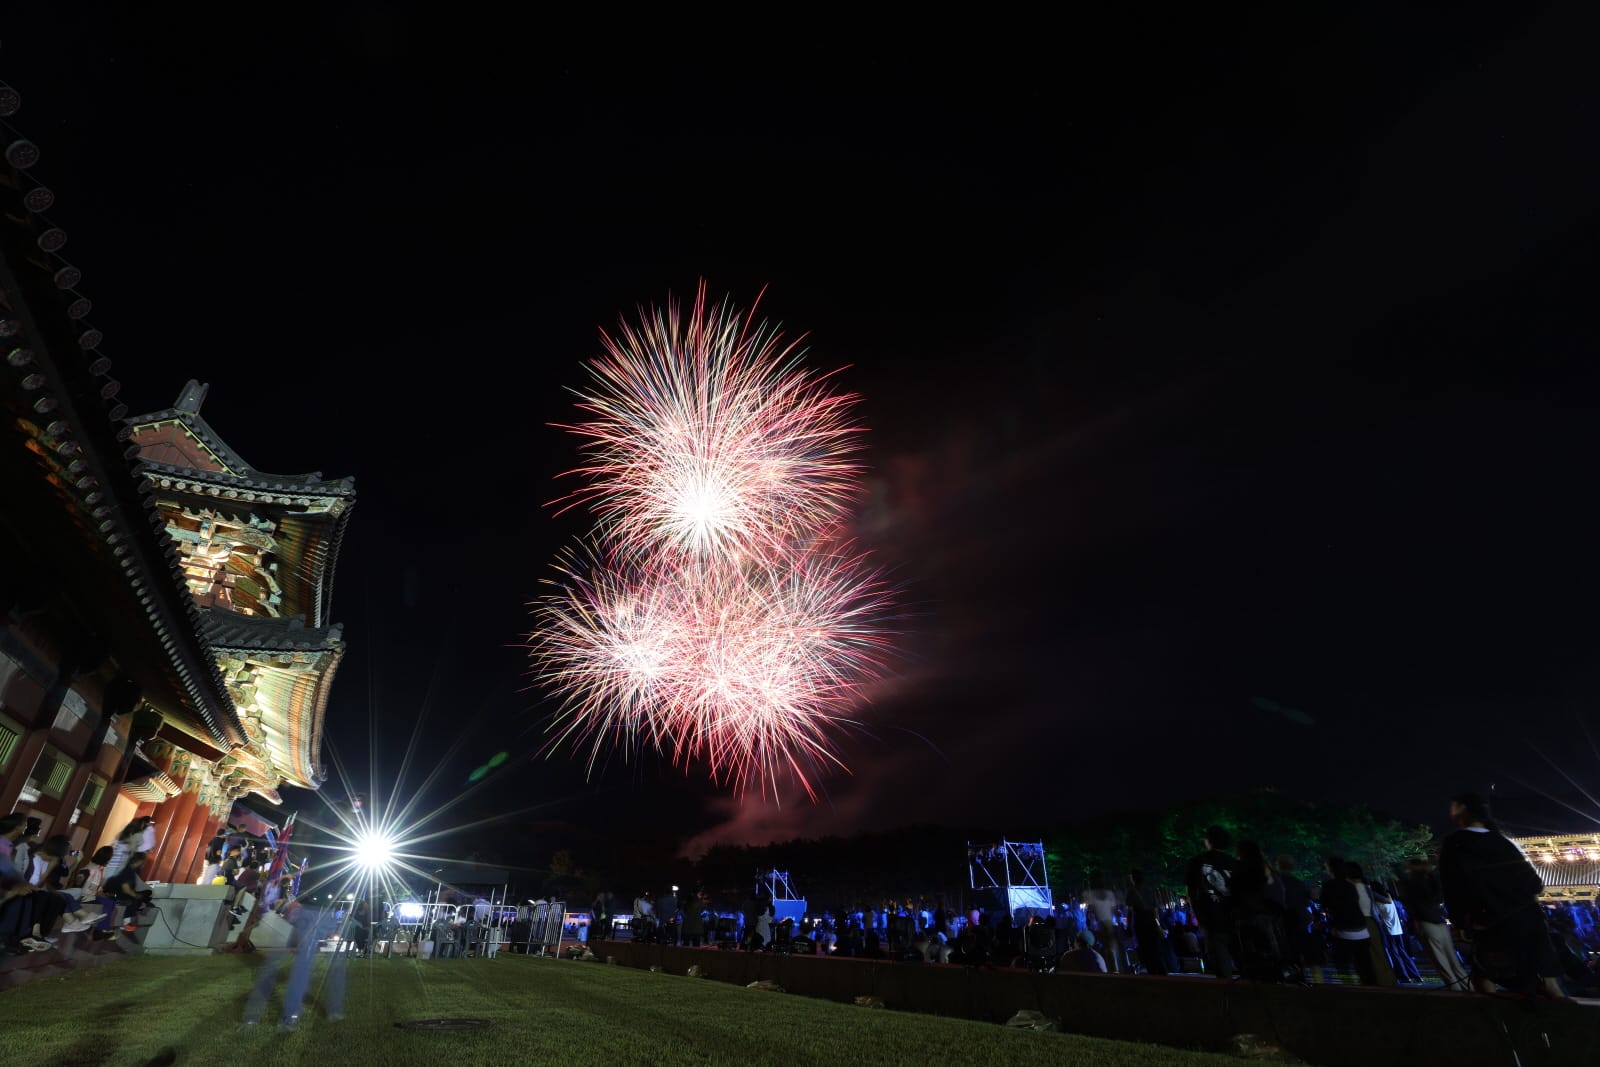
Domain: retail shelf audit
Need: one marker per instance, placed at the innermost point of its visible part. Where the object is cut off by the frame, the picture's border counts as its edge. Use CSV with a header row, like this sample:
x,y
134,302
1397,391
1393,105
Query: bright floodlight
x,y
373,851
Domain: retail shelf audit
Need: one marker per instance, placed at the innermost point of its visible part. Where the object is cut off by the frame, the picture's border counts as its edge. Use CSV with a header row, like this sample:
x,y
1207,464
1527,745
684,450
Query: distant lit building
x,y
1570,866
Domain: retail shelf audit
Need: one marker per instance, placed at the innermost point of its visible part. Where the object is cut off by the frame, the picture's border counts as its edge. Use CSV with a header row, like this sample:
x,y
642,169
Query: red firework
x,y
714,622
707,437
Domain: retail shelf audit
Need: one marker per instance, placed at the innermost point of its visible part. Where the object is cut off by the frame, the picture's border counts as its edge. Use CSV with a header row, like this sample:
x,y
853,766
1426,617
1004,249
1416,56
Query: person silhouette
x,y
311,926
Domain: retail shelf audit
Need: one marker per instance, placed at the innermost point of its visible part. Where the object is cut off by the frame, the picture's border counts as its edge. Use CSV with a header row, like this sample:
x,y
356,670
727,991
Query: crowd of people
x,y
232,859
48,889
1473,919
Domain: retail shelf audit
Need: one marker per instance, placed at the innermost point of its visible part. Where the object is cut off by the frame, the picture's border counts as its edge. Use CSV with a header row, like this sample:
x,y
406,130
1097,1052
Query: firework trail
x,y
717,619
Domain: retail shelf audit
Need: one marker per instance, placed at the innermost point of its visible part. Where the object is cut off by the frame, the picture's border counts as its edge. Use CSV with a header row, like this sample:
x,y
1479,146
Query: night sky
x,y
1230,383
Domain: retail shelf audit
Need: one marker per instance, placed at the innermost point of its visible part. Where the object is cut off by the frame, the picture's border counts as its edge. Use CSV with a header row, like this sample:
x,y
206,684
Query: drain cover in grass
x,y
445,1024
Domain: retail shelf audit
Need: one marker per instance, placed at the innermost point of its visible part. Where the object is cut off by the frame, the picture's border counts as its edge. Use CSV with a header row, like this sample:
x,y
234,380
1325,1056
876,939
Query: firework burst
x,y
707,437
717,619
747,668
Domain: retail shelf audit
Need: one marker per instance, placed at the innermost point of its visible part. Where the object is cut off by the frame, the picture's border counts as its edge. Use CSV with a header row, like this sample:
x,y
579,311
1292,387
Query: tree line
x,y
840,871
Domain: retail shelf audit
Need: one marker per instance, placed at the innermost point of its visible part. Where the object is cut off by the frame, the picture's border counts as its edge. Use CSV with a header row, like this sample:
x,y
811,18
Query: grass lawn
x,y
543,1011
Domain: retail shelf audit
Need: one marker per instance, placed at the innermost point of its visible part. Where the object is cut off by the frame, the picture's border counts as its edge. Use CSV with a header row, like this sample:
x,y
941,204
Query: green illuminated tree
x,y
1161,842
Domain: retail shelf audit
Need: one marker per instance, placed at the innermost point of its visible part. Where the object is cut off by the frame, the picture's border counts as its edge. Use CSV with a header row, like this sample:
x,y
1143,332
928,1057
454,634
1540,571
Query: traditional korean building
x,y
165,643
257,552
1569,865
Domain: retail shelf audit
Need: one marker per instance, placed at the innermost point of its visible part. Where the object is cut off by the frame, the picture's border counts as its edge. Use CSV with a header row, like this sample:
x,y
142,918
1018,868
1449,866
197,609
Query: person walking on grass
x,y
311,926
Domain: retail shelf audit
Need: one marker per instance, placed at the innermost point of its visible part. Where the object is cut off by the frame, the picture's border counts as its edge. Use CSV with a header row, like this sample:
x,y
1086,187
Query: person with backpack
x,y
1257,907
1348,922
1210,881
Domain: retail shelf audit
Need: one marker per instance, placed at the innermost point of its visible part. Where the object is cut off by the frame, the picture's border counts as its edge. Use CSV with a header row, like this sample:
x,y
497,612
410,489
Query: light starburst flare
x,y
719,616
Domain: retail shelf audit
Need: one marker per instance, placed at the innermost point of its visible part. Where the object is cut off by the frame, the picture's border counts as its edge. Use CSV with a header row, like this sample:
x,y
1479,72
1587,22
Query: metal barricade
x,y
544,933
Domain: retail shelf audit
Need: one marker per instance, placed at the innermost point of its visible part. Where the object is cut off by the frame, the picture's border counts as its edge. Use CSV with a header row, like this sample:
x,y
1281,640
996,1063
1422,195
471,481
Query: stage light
x,y
411,911
372,851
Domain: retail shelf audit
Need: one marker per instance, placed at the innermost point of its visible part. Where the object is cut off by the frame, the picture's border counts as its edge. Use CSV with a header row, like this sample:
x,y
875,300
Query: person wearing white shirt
x,y
1392,929
764,926
126,844
1102,901
22,858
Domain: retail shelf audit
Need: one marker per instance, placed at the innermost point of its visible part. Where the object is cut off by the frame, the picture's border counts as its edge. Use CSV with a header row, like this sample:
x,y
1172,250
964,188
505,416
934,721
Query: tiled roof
x,y
59,397
309,540
230,630
245,476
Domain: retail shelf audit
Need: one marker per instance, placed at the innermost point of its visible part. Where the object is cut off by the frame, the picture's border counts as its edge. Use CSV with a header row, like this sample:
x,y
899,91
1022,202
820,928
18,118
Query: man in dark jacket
x,y
1303,947
1492,892
1210,880
667,918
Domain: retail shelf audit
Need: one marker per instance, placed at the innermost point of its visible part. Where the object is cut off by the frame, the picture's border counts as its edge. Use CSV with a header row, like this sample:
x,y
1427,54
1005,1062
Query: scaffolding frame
x,y
774,885
1014,870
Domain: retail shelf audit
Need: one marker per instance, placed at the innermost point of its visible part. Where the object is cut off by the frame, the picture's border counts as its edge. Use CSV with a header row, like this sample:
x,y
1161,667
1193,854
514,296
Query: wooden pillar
x,y
166,812
70,797
28,753
174,850
206,825
184,830
96,829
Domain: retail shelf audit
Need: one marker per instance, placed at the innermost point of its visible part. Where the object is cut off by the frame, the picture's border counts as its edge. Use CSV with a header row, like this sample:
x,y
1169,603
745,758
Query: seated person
x,y
232,863
1083,958
52,900
93,891
285,894
128,889
249,879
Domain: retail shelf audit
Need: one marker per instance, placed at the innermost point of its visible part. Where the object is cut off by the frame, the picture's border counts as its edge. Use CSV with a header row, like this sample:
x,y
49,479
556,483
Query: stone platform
x,y
195,920
1330,1026
186,920
72,952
